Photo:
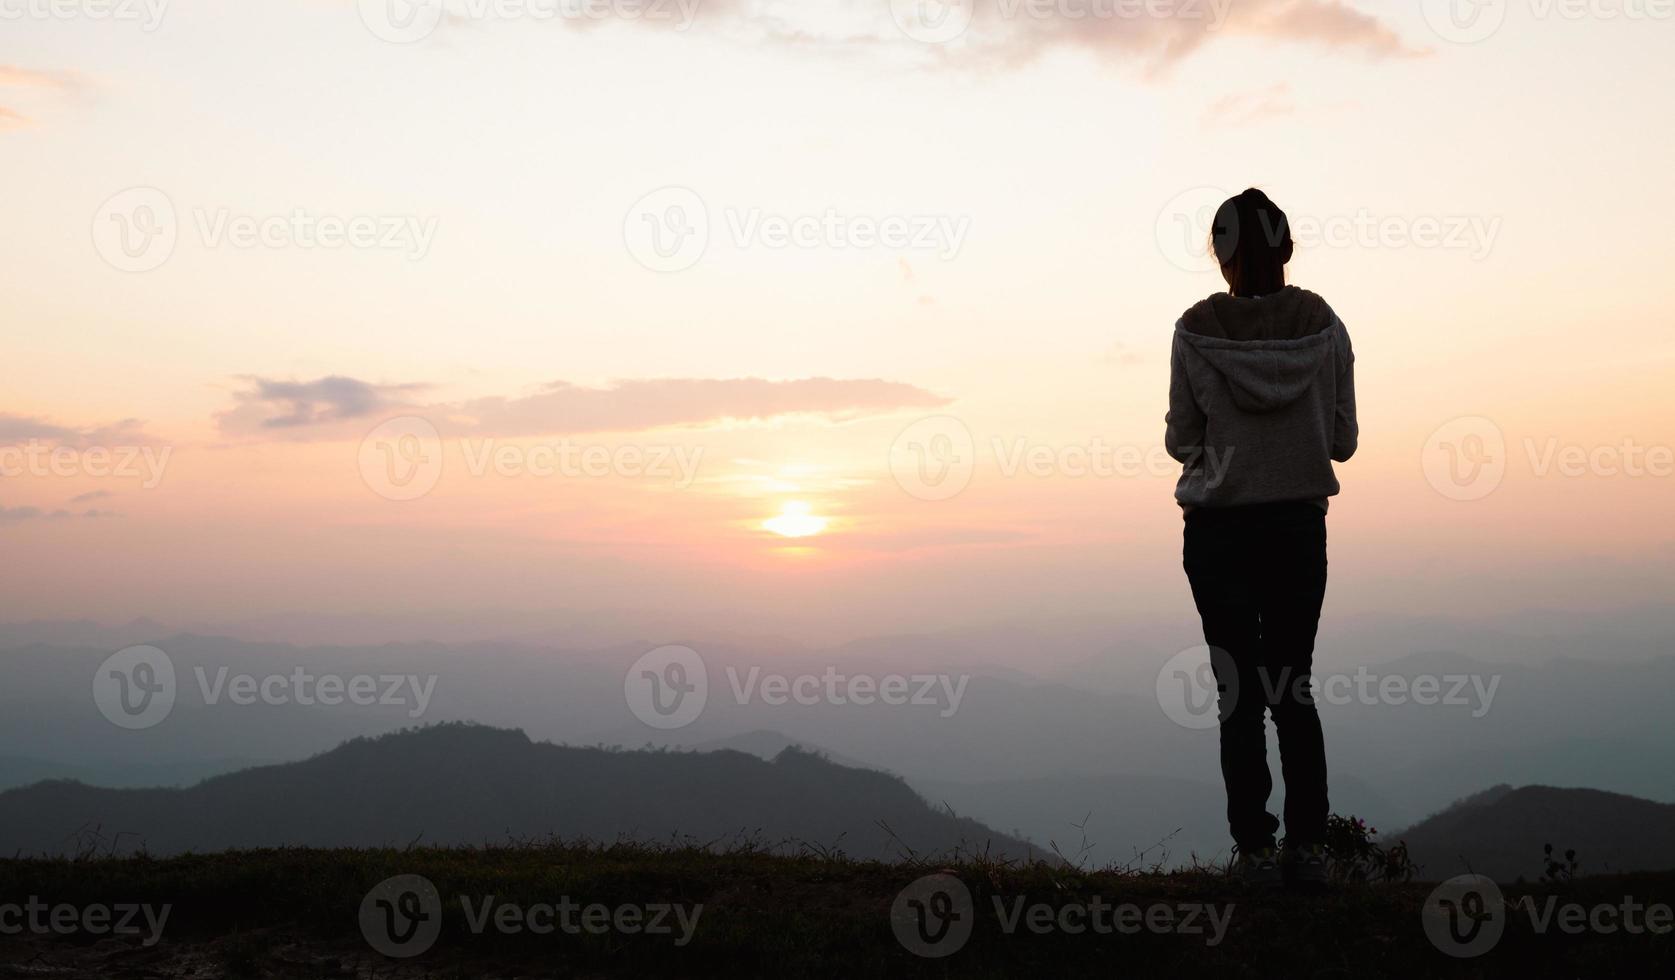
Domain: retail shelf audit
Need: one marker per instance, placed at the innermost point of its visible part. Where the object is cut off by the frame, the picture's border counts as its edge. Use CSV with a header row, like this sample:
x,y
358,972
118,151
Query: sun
x,y
796,520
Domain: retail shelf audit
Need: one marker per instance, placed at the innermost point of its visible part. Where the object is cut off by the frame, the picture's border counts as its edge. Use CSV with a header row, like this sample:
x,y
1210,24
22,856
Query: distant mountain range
x,y
1077,742
18,771
1501,832
469,784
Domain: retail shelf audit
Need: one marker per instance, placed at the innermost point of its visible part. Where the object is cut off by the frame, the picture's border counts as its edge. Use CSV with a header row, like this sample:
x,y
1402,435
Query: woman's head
x,y
1251,238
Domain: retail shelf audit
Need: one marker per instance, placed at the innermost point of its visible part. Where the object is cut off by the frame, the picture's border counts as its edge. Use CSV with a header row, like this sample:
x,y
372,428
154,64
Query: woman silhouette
x,y
1261,402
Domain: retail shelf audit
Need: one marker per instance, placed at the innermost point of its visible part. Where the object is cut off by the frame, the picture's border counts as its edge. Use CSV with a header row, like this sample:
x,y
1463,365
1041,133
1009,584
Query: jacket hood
x,y
1268,348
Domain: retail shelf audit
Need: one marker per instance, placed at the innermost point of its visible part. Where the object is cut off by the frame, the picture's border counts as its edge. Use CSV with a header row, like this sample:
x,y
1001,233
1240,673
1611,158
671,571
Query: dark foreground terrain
x,y
628,910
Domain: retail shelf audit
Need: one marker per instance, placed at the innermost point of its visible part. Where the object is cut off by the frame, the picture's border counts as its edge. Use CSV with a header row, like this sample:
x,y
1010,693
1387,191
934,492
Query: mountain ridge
x,y
457,783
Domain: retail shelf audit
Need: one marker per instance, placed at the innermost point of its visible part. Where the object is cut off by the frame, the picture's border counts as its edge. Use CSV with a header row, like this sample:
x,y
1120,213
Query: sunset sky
x,y
1489,215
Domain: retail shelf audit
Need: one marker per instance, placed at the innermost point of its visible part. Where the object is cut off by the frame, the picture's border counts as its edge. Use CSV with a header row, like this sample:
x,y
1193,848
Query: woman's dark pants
x,y
1258,576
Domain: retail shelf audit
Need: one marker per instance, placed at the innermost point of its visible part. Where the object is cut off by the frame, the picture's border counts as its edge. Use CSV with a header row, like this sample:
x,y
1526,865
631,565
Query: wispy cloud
x,y
36,81
15,429
1121,354
17,515
1157,36
61,81
636,405
1332,23
334,407
1240,108
1153,34
304,404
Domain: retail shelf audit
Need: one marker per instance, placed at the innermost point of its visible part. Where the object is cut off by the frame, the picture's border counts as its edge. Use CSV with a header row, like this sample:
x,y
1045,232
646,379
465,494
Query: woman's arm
x,y
1183,426
1346,430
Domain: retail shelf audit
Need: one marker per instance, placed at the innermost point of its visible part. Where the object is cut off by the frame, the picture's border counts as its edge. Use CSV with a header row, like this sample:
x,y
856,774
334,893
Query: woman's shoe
x,y
1259,868
1305,866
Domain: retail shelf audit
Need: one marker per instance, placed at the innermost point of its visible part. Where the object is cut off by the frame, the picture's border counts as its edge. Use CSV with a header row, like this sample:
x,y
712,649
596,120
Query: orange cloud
x,y
1328,22
11,76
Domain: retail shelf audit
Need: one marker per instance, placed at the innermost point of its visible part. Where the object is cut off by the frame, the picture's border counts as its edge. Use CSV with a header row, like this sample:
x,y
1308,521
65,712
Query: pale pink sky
x,y
1491,229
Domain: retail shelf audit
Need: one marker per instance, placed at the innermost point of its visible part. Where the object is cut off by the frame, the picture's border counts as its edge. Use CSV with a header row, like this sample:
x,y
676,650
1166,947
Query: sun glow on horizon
x,y
796,520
